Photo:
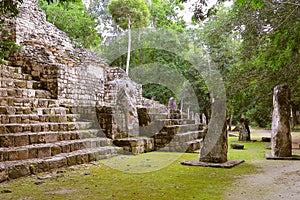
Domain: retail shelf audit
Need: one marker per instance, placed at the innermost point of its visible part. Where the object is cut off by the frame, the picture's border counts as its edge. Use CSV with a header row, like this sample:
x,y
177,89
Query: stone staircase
x,y
164,134
37,134
179,135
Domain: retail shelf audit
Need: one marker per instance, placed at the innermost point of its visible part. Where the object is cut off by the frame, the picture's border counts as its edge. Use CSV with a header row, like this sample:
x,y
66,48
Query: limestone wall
x,y
76,77
44,48
83,84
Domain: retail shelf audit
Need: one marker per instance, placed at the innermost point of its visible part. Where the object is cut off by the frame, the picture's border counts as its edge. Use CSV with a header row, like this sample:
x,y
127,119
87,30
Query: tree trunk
x,y
230,118
129,46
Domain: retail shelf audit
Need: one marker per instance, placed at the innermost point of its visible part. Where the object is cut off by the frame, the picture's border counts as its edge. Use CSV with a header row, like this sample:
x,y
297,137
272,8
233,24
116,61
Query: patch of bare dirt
x,y
277,180
64,191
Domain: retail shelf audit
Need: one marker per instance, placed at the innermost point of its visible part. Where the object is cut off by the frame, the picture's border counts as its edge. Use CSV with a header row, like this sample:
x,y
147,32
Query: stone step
x,y
16,169
23,139
177,143
158,116
29,102
177,129
27,110
17,83
34,118
189,136
136,145
13,73
44,127
24,93
194,146
170,122
50,149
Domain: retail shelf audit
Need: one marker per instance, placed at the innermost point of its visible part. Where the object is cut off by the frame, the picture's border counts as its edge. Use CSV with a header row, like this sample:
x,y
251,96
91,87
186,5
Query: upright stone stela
x,y
213,152
281,141
215,144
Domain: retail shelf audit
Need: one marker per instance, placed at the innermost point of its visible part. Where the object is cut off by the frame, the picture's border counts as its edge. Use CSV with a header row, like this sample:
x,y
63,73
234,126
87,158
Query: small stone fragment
x,y
6,191
86,173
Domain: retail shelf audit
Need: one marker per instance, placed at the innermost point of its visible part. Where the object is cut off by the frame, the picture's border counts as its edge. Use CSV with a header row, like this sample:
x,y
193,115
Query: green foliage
x,y
264,37
8,9
6,47
157,92
169,64
72,18
134,11
163,15
129,14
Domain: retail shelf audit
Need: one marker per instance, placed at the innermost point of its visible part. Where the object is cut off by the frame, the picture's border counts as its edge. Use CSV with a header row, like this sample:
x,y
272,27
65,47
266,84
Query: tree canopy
x,y
253,43
72,17
129,13
267,55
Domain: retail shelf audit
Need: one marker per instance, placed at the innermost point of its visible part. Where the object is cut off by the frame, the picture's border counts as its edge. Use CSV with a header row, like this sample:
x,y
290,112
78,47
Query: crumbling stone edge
x,y
228,164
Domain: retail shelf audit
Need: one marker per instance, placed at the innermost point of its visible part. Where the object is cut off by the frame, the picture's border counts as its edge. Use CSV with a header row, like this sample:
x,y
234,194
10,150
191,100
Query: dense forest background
x,y
254,44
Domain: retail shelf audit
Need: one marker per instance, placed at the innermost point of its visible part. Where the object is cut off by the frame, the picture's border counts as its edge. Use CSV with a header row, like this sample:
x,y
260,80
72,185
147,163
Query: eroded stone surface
x,y
215,144
281,141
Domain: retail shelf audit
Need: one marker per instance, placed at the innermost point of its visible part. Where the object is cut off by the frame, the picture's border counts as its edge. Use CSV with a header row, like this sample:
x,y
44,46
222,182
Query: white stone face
x,y
96,71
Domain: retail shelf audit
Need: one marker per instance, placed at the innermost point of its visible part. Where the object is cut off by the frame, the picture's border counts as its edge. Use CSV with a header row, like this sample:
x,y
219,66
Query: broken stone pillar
x,y
244,131
215,144
197,118
281,141
174,113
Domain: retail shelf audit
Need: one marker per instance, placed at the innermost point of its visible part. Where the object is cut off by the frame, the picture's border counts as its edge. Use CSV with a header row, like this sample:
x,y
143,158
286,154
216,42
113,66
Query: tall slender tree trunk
x,y
129,46
230,117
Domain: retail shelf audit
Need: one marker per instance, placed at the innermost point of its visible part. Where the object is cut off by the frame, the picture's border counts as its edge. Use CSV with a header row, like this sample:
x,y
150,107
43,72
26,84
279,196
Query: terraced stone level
x,y
163,134
16,169
37,134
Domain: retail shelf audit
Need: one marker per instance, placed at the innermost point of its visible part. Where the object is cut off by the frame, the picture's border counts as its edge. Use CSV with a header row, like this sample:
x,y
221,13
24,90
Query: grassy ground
x,y
164,180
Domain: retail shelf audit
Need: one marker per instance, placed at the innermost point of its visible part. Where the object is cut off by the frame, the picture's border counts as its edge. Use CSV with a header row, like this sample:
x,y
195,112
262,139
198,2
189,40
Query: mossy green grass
x,y
173,181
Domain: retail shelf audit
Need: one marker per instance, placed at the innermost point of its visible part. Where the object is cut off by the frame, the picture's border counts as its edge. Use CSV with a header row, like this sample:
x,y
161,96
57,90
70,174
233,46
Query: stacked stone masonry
x,y
40,85
50,97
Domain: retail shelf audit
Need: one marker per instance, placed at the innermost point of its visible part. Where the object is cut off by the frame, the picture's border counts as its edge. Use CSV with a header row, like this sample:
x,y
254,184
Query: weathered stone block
x,y
18,170
237,146
71,160
13,155
50,138
32,152
22,154
44,152
281,140
81,159
6,141
3,173
55,150
21,140
57,162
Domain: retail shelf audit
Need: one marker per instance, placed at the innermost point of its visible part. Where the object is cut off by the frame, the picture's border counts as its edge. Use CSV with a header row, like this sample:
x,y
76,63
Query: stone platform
x,y
228,164
293,157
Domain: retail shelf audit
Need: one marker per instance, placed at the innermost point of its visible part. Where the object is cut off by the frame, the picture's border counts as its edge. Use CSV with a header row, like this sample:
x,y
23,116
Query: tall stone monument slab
x,y
281,141
215,143
214,147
